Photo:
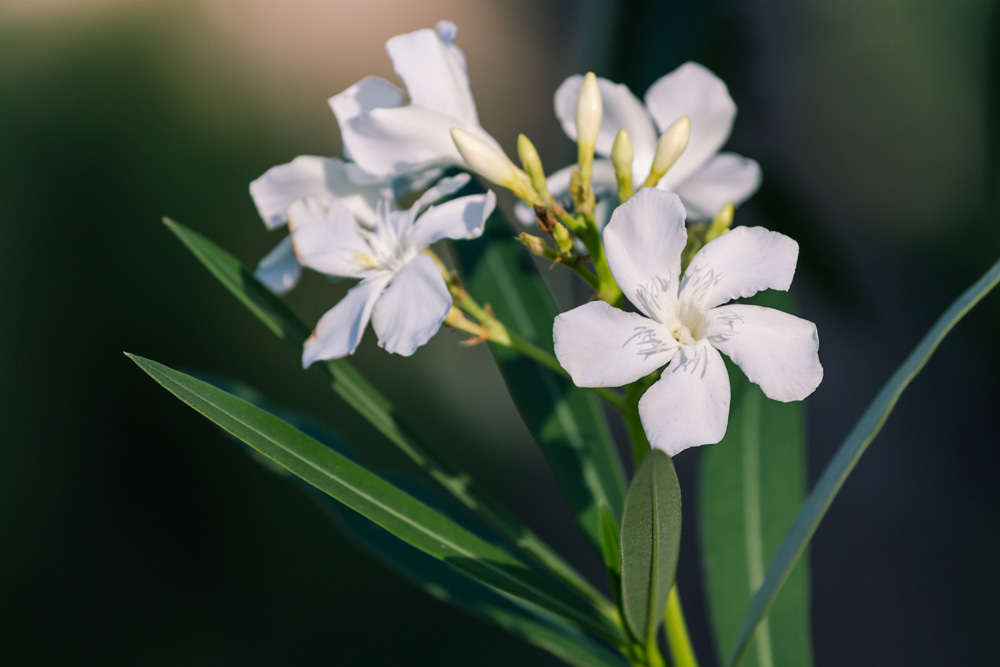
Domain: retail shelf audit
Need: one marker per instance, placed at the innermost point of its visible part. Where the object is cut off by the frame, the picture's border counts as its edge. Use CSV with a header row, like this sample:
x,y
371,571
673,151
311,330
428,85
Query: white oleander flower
x,y
705,179
327,179
386,136
685,323
401,289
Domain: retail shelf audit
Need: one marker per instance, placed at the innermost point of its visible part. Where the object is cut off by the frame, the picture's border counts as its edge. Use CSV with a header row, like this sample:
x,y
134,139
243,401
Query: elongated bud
x,y
721,223
672,143
533,165
492,164
589,112
534,244
562,238
621,157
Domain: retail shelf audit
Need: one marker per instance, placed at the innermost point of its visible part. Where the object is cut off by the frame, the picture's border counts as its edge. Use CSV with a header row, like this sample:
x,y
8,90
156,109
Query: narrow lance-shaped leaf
x,y
437,579
447,584
611,550
567,422
376,499
370,403
751,485
847,457
650,543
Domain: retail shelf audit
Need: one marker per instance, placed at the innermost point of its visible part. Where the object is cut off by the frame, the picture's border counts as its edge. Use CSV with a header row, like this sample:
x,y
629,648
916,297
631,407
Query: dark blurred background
x,y
133,532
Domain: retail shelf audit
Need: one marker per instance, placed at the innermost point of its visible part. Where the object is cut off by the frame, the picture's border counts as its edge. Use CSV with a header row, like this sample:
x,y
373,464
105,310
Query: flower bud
x,y
533,165
670,146
721,223
562,238
589,112
534,244
492,164
621,157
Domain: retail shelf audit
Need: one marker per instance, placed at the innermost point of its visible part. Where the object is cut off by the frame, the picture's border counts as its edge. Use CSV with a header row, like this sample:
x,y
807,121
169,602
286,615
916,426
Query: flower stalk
x,y
493,330
678,641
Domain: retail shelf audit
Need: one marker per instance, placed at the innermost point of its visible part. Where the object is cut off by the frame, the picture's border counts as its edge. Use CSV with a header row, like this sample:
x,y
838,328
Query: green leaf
x,y
651,540
371,404
751,485
437,579
847,457
611,550
449,585
376,499
610,542
567,422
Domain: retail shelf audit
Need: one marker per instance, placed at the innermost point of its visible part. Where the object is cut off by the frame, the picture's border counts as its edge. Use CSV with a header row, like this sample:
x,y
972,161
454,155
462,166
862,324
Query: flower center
x,y
691,325
389,247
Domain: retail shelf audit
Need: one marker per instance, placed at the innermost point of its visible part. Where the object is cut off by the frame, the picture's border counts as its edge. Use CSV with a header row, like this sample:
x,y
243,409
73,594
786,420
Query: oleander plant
x,y
686,335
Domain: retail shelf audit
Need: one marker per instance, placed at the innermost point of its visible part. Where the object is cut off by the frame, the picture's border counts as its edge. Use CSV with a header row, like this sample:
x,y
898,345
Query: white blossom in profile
x,y
384,134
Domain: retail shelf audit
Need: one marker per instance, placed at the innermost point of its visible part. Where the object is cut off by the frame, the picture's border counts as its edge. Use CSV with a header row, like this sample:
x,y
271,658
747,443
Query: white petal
x,y
692,90
369,93
689,405
433,71
339,331
279,270
309,176
739,264
394,141
326,238
602,346
462,218
443,188
622,111
413,307
726,178
643,243
778,351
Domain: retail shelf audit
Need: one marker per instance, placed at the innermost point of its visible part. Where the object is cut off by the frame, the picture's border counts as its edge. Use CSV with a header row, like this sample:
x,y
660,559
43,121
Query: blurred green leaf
x,y
567,422
650,543
751,486
610,542
847,457
371,404
376,499
611,550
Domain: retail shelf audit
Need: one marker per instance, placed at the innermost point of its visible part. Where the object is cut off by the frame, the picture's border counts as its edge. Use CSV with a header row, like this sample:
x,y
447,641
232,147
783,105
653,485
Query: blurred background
x,y
133,532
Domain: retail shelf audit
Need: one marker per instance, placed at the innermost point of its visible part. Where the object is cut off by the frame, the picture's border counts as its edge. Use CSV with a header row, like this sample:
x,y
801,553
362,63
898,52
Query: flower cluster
x,y
647,166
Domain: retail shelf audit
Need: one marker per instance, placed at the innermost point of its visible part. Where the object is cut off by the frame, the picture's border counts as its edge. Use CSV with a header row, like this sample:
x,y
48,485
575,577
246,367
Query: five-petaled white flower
x,y
328,179
686,324
383,135
705,179
401,289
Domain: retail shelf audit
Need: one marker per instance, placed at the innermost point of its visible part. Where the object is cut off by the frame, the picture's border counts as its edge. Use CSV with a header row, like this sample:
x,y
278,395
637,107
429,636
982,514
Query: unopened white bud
x,y
670,146
589,113
622,156
492,164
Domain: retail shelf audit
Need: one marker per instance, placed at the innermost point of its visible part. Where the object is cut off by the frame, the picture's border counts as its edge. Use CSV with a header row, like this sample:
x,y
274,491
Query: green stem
x,y
653,656
584,273
496,332
633,425
608,289
678,641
